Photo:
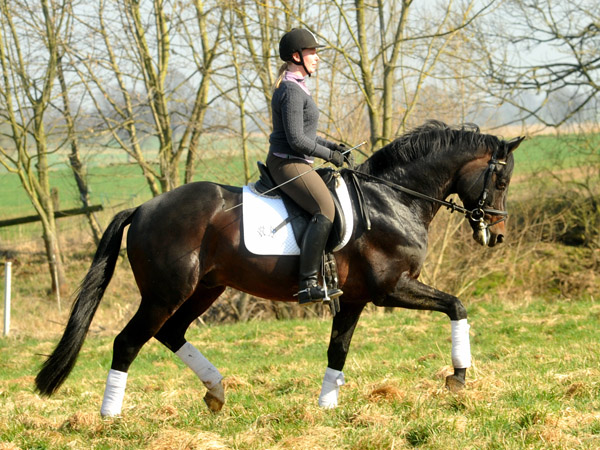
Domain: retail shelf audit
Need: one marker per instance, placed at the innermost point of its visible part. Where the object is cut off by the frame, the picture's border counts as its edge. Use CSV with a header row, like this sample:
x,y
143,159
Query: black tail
x,y
58,365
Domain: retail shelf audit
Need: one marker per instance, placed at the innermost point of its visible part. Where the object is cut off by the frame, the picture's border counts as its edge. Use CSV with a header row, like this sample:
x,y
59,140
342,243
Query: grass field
x,y
114,182
535,384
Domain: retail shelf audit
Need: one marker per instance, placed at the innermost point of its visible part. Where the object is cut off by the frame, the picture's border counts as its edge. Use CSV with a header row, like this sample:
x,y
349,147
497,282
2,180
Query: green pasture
x,y
117,184
115,180
548,153
534,384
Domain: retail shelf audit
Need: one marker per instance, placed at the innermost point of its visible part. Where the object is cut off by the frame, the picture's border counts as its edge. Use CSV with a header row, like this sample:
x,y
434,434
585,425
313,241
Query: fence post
x,y
7,288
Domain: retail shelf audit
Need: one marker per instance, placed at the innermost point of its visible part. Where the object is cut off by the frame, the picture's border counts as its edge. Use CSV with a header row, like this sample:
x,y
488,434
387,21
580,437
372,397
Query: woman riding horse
x,y
186,246
293,145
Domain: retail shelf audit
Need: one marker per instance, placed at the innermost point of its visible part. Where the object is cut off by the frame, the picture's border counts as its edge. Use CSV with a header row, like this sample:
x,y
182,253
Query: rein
x,y
476,214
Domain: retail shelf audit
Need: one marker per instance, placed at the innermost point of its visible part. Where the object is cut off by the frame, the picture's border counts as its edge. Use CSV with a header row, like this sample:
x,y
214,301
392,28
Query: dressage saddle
x,y
297,216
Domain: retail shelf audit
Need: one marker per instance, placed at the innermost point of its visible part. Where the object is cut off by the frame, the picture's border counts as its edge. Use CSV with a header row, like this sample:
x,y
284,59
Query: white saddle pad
x,y
263,216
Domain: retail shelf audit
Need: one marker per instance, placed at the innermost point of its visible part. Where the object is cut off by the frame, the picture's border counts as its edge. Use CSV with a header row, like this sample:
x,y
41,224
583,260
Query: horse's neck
x,y
433,177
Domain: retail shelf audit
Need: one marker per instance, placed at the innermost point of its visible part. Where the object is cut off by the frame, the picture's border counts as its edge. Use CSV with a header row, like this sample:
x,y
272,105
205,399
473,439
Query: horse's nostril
x,y
500,239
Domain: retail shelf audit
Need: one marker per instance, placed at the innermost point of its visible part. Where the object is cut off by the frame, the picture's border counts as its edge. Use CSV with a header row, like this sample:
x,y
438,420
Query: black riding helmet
x,y
294,41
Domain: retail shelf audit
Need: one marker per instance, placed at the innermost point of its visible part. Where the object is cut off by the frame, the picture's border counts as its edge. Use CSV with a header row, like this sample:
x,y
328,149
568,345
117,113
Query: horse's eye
x,y
501,185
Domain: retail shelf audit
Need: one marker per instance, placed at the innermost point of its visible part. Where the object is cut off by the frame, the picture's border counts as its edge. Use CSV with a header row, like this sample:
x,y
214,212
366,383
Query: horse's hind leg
x,y
342,329
172,335
143,325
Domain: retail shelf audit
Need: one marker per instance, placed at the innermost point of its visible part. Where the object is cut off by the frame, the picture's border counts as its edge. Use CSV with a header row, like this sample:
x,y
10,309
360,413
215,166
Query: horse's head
x,y
482,186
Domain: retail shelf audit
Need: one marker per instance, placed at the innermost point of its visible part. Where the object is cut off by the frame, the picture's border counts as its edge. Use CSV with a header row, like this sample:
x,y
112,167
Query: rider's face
x,y
311,60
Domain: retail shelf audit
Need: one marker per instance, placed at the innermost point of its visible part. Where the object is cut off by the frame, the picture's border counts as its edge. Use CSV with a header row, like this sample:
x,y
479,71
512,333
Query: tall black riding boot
x,y
311,253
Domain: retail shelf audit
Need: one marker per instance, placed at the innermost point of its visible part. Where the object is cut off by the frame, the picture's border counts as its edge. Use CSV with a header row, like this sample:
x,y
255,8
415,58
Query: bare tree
x,y
148,60
258,37
30,36
111,83
240,94
77,166
547,62
386,54
209,38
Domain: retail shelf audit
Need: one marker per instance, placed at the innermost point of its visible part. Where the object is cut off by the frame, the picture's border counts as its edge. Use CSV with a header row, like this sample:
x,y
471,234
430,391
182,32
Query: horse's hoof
x,y
214,404
215,398
454,384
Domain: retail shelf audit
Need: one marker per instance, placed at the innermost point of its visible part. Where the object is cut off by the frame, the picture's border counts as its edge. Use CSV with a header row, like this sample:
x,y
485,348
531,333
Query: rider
x,y
293,145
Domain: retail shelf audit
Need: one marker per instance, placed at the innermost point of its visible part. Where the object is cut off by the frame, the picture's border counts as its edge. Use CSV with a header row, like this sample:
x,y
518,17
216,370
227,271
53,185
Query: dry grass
x,y
174,439
524,391
534,384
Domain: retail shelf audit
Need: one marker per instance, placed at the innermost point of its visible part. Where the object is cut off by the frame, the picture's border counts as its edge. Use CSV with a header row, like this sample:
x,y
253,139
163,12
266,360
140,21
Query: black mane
x,y
433,137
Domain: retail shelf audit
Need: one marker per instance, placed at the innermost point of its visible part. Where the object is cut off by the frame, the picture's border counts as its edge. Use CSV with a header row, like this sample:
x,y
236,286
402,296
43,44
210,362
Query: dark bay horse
x,y
185,247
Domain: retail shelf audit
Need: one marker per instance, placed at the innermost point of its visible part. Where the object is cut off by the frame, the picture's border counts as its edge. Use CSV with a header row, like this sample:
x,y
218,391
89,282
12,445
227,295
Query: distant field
x,y
114,179
117,184
547,152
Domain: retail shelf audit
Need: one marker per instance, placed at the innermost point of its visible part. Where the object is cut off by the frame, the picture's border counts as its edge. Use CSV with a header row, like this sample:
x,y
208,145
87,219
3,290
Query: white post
x,y
55,276
7,282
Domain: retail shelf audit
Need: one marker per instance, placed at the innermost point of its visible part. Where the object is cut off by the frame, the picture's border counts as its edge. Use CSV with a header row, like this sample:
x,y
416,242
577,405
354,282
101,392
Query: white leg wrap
x,y
330,389
114,393
201,366
461,346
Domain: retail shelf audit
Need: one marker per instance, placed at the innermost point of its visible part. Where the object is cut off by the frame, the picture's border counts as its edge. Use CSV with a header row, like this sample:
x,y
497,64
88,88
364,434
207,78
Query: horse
x,y
185,247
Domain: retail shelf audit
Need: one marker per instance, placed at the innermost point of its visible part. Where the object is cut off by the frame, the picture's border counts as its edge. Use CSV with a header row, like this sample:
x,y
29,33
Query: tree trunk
x,y
55,264
74,159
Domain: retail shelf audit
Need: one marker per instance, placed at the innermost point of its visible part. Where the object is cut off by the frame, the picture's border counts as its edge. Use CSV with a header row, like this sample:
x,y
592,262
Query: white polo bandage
x,y
461,346
113,393
330,389
201,366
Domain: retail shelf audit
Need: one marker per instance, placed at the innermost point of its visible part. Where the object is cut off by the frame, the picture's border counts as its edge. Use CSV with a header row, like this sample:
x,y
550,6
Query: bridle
x,y
476,214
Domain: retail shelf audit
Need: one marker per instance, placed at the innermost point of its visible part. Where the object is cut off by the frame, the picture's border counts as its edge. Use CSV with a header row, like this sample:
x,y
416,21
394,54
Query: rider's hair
x,y
280,75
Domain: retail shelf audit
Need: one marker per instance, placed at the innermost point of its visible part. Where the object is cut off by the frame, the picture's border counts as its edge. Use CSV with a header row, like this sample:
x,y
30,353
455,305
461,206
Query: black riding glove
x,y
336,158
348,156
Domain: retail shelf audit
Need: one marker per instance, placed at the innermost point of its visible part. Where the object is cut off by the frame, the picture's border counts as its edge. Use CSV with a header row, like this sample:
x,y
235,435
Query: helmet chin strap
x,y
302,62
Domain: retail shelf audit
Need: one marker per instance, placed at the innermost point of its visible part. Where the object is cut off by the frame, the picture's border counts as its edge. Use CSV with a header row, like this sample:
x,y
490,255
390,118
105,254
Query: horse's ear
x,y
514,143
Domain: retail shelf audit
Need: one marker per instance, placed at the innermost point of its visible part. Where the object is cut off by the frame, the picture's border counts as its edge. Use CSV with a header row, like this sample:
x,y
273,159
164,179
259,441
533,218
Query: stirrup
x,y
332,294
316,294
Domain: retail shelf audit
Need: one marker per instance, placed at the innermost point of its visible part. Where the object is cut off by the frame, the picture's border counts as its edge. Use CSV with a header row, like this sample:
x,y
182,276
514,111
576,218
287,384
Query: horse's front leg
x,y
342,329
412,294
